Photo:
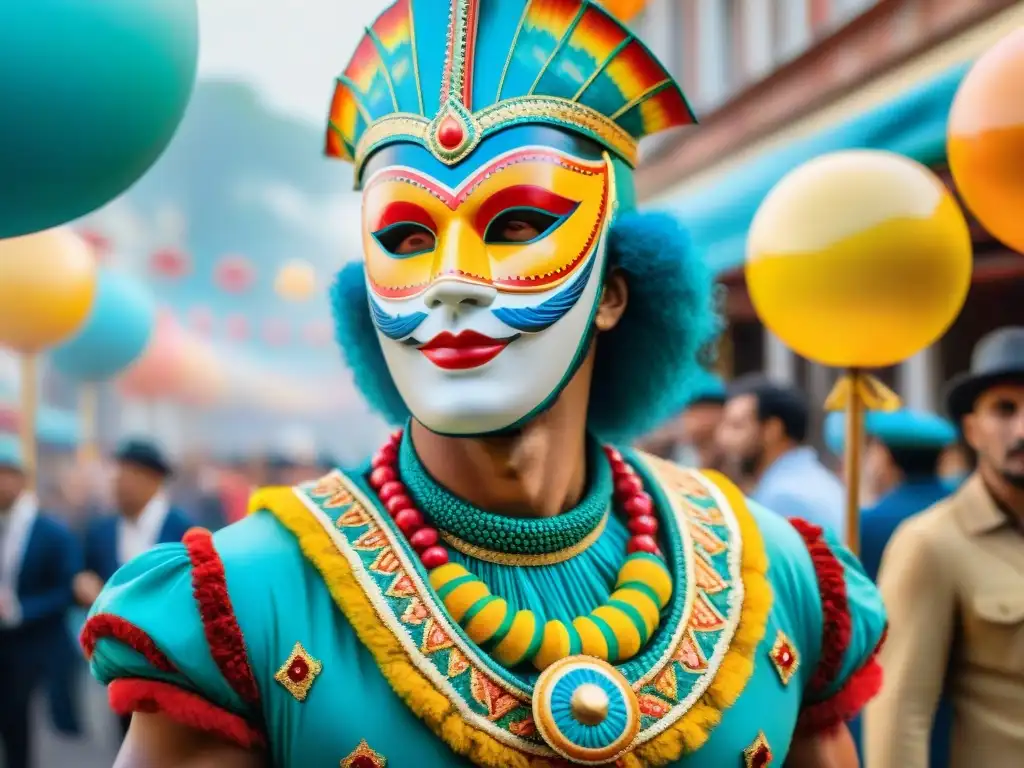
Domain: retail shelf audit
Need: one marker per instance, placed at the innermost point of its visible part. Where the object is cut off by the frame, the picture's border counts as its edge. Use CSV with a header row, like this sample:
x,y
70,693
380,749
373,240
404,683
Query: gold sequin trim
x,y
548,558
363,757
502,115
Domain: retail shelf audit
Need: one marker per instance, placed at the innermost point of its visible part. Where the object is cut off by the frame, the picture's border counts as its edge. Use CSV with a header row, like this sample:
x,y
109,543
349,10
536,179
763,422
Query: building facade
x,y
777,82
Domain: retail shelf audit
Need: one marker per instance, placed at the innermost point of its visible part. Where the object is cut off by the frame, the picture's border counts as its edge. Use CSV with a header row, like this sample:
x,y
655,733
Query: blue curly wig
x,y
644,368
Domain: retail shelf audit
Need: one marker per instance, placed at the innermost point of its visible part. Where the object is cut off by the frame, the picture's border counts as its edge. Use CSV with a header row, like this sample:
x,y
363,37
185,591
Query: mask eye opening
x,y
405,239
534,223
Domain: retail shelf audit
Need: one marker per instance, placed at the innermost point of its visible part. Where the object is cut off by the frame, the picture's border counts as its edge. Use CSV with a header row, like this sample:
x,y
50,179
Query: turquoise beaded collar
x,y
514,536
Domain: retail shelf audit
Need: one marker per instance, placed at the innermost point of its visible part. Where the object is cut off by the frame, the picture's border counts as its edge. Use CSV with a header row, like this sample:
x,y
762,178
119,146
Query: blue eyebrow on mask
x,y
395,327
547,313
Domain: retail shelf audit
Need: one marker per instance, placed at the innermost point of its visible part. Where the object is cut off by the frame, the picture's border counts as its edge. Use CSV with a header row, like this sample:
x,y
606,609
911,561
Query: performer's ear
x,y
614,298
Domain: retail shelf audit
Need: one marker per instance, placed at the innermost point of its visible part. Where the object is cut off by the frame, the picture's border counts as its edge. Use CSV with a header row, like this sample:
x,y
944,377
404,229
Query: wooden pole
x,y
854,448
29,406
88,408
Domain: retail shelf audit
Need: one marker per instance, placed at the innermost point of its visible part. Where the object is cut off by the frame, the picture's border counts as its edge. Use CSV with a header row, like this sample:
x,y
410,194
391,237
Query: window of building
x,y
717,44
792,27
757,33
845,10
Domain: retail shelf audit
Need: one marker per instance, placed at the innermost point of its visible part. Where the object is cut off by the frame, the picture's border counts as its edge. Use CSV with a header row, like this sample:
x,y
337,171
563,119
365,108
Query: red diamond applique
x,y
758,754
496,700
299,672
364,757
785,657
523,728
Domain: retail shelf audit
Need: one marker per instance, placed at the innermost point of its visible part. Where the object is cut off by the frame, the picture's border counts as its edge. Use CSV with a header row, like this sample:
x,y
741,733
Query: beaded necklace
x,y
614,632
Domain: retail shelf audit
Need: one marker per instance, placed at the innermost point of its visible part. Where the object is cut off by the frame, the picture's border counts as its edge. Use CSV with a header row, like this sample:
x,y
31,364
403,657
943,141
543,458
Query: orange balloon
x,y
296,280
154,374
47,287
985,140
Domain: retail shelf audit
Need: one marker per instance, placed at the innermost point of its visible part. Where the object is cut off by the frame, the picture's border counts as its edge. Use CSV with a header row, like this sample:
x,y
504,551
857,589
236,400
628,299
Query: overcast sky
x,y
290,49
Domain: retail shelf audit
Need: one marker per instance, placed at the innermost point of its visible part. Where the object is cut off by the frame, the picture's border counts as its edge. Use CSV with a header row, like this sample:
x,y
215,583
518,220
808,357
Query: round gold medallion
x,y
585,710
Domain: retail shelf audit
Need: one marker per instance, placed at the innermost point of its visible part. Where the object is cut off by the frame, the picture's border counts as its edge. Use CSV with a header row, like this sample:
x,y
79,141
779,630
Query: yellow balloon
x,y
859,259
296,280
47,286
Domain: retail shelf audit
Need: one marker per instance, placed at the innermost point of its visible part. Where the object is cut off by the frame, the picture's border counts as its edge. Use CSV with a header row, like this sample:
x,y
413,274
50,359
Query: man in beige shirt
x,y
953,581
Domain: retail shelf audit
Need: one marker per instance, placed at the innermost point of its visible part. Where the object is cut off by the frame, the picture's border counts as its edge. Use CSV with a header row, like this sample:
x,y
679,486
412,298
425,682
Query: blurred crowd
x,y
937,492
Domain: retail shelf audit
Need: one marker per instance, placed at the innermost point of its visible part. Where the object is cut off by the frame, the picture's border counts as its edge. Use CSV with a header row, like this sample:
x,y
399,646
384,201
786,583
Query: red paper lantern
x,y
234,274
237,327
170,263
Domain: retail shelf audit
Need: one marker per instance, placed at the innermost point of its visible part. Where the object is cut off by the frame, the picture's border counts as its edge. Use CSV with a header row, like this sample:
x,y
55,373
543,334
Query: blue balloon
x,y
115,333
57,428
92,93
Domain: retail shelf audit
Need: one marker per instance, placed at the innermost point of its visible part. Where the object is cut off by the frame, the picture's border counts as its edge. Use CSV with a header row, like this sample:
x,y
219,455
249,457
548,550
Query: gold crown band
x,y
504,114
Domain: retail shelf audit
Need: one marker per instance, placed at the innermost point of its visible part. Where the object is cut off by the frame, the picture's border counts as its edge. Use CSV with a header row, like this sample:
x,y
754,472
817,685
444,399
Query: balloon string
x,y
88,405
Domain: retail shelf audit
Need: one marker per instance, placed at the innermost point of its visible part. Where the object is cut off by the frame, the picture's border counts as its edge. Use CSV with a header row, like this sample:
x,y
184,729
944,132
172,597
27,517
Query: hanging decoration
x,y
79,131
858,260
47,289
295,280
170,263
102,248
985,141
234,274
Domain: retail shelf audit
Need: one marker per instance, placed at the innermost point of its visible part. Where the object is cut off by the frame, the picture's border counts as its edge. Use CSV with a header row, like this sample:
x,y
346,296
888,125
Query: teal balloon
x,y
115,333
57,428
92,92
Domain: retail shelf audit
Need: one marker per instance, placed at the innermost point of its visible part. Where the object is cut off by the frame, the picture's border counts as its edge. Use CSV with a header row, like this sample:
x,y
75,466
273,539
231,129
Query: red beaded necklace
x,y
384,479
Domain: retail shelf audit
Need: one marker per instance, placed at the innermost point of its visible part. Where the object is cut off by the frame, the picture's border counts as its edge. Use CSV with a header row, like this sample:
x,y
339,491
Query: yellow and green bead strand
x,y
650,571
592,640
485,620
643,600
522,641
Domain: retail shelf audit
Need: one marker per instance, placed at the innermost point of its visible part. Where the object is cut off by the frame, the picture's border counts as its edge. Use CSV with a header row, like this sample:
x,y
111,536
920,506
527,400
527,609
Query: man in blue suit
x,y
144,519
39,558
901,473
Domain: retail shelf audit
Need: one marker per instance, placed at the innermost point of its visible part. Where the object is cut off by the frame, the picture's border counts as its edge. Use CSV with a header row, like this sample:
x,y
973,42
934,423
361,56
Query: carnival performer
x,y
498,586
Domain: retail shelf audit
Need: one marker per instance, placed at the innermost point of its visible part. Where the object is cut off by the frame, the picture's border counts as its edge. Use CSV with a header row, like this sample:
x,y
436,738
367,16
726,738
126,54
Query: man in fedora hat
x,y
953,580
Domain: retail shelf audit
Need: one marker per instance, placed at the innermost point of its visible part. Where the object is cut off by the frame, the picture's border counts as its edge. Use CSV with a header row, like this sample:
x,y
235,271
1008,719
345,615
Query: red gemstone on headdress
x,y
450,133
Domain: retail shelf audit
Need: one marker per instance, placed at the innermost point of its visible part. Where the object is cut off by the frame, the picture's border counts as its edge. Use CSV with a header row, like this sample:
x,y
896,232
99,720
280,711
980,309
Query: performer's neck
x,y
541,471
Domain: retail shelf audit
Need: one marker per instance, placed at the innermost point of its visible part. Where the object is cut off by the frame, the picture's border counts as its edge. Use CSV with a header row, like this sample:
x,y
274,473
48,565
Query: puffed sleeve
x,y
163,637
847,674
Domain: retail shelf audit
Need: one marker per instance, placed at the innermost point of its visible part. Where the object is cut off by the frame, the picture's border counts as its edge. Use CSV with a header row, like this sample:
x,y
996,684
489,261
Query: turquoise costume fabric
x,y
312,630
280,597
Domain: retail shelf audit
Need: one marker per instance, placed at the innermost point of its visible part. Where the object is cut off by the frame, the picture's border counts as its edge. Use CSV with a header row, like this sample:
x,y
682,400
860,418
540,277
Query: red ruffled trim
x,y
130,695
107,625
837,626
825,716
223,635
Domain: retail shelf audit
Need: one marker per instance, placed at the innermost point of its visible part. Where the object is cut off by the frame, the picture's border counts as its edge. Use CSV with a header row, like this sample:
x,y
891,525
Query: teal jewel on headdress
x,y
448,83
585,710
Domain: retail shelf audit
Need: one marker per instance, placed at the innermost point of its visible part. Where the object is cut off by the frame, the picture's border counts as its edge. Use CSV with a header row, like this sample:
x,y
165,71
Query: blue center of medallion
x,y
566,716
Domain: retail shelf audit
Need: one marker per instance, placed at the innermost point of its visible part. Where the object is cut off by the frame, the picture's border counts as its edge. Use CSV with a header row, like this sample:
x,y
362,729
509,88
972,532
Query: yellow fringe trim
x,y
694,728
411,685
